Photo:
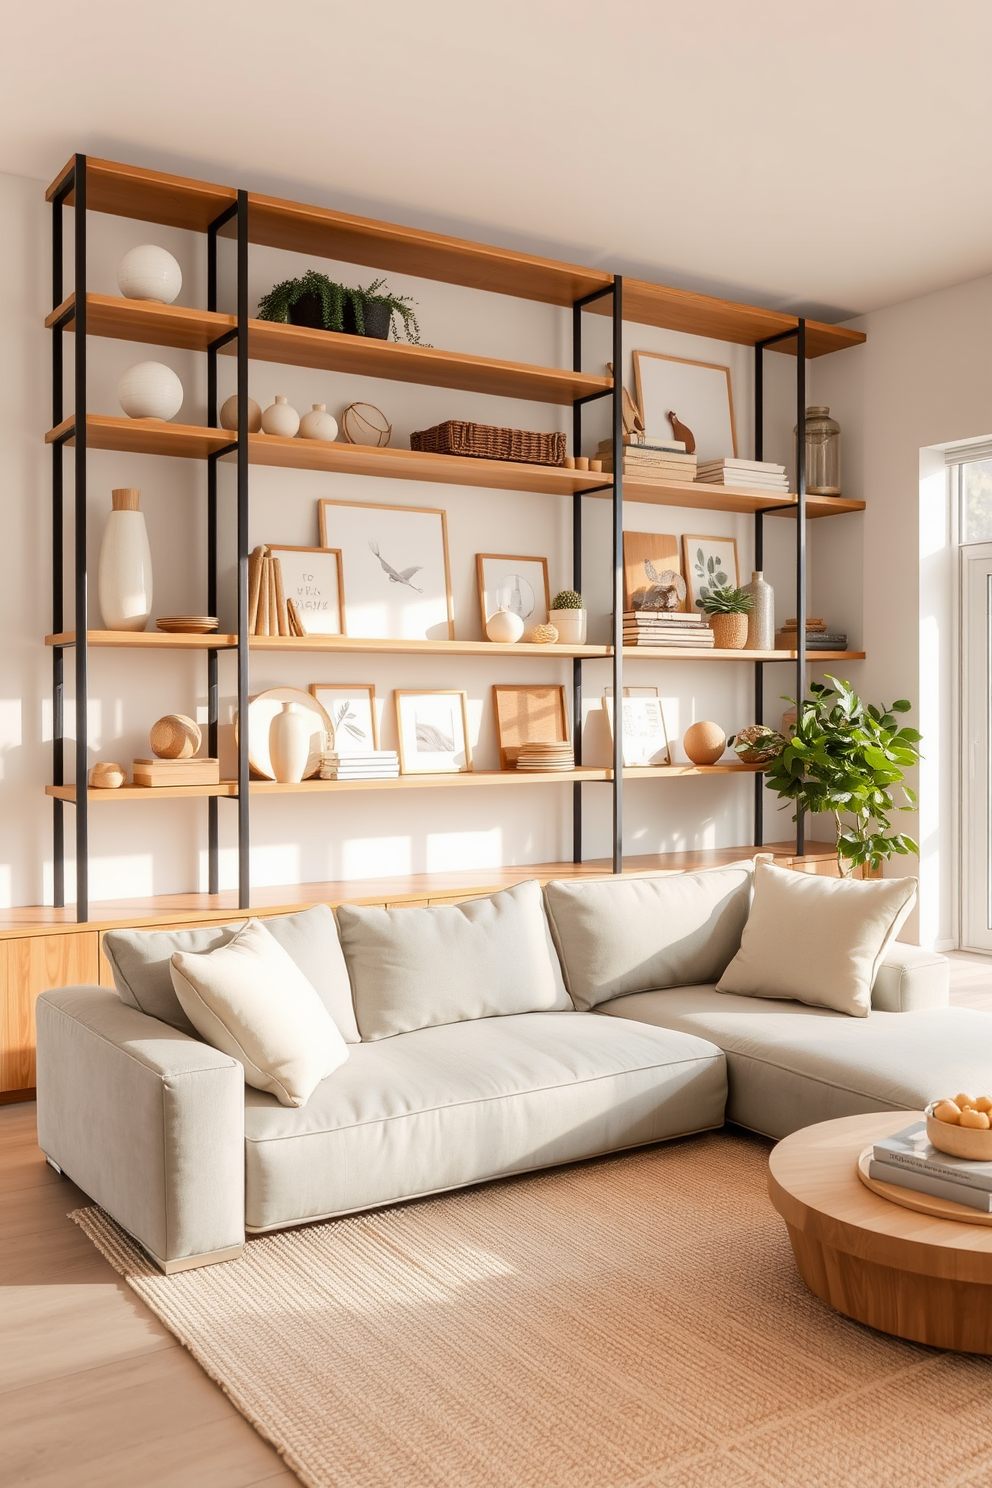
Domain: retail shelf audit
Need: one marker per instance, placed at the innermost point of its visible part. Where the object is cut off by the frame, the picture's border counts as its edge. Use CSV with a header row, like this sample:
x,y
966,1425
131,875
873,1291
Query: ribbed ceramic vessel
x,y
571,626
150,390
761,620
281,418
505,627
149,273
289,744
124,578
319,424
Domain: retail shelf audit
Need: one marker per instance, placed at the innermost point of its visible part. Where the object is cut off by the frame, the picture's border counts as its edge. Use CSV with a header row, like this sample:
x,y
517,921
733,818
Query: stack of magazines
x,y
373,764
818,636
909,1161
751,475
665,628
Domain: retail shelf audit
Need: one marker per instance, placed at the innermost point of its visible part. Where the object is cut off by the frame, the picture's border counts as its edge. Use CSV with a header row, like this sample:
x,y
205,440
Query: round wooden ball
x,y
105,775
175,737
704,743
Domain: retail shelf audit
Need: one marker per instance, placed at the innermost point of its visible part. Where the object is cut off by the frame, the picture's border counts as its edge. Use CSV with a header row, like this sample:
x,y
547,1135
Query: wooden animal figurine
x,y
175,737
633,423
683,432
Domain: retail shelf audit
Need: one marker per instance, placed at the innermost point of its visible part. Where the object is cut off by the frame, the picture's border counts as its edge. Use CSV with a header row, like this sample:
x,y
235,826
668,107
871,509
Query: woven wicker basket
x,y
484,442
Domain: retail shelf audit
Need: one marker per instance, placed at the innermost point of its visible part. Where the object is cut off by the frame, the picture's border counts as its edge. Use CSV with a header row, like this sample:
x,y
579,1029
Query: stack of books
x,y
909,1161
158,772
659,459
818,637
373,764
665,628
752,475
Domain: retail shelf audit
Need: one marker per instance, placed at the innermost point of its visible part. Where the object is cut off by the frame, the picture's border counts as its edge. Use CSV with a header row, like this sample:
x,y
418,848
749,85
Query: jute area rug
x,y
629,1323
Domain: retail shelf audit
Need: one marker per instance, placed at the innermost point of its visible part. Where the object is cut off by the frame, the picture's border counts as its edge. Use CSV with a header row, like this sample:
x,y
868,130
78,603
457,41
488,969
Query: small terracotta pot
x,y
729,632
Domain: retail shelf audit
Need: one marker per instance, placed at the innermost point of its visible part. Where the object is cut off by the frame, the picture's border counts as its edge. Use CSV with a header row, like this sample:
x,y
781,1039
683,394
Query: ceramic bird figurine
x,y
398,576
683,432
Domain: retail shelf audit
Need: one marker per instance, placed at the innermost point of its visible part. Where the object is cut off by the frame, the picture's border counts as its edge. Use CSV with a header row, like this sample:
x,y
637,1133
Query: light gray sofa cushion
x,y
622,935
451,1105
909,980
140,962
416,968
790,1066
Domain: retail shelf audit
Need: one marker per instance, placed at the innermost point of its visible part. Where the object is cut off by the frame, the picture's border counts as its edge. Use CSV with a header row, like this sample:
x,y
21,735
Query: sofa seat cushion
x,y
789,1065
441,1107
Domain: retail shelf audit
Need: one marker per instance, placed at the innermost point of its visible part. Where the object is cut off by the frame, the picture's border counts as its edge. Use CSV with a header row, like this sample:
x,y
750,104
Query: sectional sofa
x,y
494,1037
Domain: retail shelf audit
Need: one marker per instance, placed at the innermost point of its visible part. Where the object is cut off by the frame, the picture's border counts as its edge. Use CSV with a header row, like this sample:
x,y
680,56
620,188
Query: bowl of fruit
x,y
962,1127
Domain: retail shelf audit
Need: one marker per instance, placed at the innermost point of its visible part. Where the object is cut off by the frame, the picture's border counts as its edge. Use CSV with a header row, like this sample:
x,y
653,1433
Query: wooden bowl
x,y
959,1141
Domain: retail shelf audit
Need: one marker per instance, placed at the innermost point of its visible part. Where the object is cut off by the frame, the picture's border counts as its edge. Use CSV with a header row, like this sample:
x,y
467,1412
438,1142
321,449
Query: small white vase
x,y
505,627
289,744
571,626
150,390
149,273
124,582
281,418
229,414
319,424
761,619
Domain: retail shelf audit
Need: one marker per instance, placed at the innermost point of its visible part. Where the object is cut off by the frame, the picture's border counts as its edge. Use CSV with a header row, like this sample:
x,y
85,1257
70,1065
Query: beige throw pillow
x,y
817,940
249,999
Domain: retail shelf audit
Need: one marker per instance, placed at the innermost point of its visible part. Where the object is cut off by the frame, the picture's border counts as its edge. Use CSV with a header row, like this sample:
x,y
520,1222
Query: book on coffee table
x,y
928,1183
911,1149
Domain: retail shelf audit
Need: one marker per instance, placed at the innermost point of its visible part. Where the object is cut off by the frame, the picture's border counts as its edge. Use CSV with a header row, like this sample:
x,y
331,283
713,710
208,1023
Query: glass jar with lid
x,y
822,452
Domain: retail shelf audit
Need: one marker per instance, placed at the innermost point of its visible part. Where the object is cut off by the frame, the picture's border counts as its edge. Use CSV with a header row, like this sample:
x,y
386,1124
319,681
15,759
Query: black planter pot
x,y
309,311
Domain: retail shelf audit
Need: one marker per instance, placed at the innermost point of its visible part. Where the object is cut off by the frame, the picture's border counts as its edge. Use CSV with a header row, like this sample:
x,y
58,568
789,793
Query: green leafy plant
x,y
727,601
333,298
567,599
847,758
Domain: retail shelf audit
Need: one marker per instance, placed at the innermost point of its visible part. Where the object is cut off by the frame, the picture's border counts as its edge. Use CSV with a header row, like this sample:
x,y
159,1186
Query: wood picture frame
x,y
315,584
426,717
384,601
696,569
700,393
642,553
496,572
534,714
354,730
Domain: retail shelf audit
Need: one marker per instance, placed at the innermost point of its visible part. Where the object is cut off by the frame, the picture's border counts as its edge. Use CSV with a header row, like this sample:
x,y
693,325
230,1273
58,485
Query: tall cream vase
x,y
124,582
289,744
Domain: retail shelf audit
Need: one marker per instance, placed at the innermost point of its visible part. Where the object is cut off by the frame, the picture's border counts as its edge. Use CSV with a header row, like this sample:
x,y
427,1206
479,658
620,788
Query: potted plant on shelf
x,y
728,610
324,305
569,618
846,758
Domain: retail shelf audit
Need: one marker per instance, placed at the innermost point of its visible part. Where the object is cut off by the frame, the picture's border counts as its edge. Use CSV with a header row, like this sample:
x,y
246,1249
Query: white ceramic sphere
x,y
150,390
505,627
281,418
149,273
319,424
229,414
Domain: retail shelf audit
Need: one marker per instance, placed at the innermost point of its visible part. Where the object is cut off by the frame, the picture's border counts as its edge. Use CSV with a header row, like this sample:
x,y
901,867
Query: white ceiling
x,y
831,158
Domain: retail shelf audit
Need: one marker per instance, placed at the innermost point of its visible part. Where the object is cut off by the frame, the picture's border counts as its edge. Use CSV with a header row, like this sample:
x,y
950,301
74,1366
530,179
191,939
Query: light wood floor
x,y
94,1391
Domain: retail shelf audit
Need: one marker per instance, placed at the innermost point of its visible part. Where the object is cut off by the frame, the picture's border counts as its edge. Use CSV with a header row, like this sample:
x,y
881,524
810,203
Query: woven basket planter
x,y
729,632
485,442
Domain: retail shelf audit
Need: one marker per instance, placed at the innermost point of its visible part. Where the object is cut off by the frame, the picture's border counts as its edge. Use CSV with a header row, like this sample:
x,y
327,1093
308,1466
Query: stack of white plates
x,y
546,757
187,624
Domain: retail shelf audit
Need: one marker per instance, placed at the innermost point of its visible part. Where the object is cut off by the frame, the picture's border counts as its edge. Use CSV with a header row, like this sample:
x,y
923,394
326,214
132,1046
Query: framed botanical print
x,y
311,578
708,563
395,566
433,732
513,583
645,738
528,715
351,708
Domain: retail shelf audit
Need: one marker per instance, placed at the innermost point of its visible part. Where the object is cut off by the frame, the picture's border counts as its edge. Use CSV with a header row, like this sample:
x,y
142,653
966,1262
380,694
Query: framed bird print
x,y
394,559
517,584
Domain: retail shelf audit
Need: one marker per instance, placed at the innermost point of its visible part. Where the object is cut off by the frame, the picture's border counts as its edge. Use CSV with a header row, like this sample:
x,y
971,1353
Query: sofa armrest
x,y
910,979
149,1122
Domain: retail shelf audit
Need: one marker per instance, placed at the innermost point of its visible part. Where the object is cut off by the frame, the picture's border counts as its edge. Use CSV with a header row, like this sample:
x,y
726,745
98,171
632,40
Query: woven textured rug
x,y
632,1322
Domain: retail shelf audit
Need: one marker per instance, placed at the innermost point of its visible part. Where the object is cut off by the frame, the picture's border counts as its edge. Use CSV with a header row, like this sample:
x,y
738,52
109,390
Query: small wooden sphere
x,y
544,635
175,737
704,743
105,775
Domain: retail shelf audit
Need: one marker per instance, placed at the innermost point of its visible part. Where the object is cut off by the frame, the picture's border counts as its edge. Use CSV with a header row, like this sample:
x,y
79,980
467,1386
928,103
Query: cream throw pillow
x,y
250,1000
817,940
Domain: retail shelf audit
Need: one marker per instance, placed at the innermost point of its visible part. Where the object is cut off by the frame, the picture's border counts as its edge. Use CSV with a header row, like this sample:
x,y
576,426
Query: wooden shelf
x,y
144,792
685,653
145,436
308,645
300,346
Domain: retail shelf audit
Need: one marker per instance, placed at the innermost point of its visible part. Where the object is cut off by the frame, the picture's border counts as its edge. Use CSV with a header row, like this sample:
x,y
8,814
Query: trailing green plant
x,y
847,758
567,599
333,298
727,601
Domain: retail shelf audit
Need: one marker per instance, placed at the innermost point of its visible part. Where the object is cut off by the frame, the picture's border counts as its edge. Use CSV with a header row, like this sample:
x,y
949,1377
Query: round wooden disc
x,y
922,1203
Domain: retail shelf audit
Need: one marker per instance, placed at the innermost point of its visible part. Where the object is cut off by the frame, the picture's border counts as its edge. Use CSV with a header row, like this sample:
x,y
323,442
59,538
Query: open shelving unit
x,y
222,212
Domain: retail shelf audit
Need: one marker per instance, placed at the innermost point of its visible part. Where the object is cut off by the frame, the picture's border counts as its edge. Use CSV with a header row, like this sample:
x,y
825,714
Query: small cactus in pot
x,y
569,617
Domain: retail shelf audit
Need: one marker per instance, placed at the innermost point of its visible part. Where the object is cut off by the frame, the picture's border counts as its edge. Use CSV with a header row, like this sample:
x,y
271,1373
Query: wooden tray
x,y
908,1198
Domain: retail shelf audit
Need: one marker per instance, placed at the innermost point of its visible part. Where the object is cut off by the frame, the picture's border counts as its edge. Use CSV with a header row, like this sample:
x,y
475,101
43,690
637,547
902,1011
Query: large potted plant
x,y
728,609
324,305
848,758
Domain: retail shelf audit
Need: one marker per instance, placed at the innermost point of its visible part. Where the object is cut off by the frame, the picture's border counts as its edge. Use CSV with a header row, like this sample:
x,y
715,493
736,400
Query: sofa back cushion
x,y
415,968
621,935
140,962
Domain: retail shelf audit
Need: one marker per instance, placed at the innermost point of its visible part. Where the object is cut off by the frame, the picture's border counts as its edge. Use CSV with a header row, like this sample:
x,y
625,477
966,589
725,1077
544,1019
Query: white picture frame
x,y
395,566
351,708
645,737
700,393
432,726
518,583
708,563
311,578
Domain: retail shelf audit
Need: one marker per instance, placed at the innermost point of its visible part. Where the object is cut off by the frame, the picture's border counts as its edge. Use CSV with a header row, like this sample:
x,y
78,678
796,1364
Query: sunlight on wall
x,y
371,857
454,850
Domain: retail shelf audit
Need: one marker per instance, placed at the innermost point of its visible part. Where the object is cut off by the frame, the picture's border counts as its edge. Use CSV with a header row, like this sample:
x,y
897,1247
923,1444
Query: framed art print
x,y
708,563
646,556
645,738
351,708
699,393
394,561
311,577
517,584
433,732
528,715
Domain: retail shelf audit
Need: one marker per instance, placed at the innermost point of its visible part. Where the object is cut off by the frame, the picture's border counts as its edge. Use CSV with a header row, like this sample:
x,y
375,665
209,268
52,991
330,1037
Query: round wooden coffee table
x,y
922,1278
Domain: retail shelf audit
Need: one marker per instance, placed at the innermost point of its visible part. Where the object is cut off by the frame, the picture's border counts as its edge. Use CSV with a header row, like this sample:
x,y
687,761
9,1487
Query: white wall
x,y
143,848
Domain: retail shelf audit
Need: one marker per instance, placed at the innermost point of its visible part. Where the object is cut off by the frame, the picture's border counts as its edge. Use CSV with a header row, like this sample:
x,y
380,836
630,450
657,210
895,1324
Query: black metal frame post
x,y
58,542
800,546
79,546
244,803
618,573
759,558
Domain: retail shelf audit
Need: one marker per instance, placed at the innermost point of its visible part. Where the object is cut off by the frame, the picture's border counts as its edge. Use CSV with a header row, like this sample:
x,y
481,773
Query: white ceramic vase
x,y
281,418
289,744
319,424
150,390
124,581
571,626
149,273
505,627
229,414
